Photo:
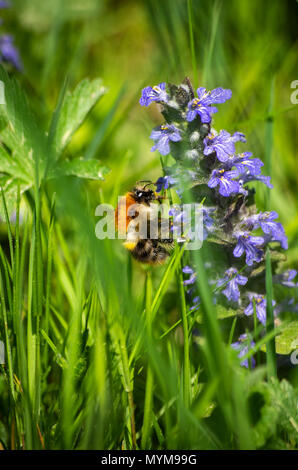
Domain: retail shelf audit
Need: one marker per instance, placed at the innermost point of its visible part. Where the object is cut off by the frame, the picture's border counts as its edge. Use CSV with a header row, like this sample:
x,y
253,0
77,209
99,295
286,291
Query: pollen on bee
x,y
130,245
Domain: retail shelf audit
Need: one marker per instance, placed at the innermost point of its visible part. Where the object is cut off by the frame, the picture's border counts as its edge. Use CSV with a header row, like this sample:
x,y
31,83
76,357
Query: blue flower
x,y
247,177
192,277
208,221
162,136
260,305
8,52
248,244
227,186
287,278
279,235
165,182
181,222
156,93
201,106
287,305
275,230
223,144
244,164
244,346
4,4
178,214
232,278
196,301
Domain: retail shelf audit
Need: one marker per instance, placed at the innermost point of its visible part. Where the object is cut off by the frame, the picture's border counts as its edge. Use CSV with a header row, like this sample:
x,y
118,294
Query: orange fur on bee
x,y
122,209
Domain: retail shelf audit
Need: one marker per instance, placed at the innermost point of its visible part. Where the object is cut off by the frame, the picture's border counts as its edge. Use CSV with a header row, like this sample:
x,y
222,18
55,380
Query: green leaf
x,y
221,312
74,110
9,165
19,131
287,341
10,188
285,400
24,142
92,169
263,414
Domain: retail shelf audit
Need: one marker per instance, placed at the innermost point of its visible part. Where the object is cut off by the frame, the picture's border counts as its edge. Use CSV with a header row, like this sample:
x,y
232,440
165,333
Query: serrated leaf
x,y
9,165
23,142
285,400
10,188
223,312
19,130
91,169
74,110
287,341
263,415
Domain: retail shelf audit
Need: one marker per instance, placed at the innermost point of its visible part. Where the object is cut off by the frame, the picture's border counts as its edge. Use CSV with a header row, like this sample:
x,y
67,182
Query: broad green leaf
x,y
263,414
24,142
9,165
285,400
92,169
222,313
19,130
287,341
74,110
10,188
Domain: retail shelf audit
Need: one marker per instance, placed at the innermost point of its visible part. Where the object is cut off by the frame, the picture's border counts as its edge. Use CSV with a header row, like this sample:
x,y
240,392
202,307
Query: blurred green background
x,y
243,45
94,358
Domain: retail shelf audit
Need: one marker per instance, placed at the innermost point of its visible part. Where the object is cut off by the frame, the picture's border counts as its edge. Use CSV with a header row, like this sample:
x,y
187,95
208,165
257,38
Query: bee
x,y
154,250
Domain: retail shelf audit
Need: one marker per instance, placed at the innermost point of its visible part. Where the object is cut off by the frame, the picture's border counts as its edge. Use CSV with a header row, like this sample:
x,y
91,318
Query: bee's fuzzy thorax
x,y
145,250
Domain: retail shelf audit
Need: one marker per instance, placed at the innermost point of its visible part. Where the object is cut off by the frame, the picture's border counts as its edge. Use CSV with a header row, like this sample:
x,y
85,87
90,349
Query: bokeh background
x,y
92,346
248,46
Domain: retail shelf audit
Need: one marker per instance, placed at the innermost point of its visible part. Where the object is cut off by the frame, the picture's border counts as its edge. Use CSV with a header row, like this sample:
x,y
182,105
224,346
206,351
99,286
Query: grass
x,y
101,352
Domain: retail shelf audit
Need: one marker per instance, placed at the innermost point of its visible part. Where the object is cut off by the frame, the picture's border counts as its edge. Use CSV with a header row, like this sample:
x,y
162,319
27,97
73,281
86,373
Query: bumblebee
x,y
154,250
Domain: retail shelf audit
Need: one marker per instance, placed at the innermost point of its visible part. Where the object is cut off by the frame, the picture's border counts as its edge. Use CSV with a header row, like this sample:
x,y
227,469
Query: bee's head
x,y
143,192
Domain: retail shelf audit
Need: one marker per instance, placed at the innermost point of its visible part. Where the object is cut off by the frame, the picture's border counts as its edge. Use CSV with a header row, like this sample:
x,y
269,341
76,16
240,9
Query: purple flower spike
x,y
232,278
227,186
287,278
156,93
248,244
201,106
8,52
162,136
223,144
243,346
260,304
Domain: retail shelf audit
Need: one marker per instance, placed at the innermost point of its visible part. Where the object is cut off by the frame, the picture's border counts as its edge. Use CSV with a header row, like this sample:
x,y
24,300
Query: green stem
x,y
191,39
270,345
146,428
186,367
